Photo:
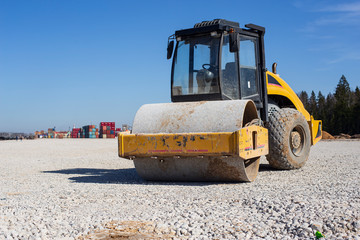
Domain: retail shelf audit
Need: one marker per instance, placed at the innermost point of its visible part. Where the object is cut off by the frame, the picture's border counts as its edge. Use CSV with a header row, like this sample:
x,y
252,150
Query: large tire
x,y
289,139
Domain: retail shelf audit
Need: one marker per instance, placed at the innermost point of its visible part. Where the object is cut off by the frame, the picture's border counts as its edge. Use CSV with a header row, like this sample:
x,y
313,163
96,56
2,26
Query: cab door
x,y
249,69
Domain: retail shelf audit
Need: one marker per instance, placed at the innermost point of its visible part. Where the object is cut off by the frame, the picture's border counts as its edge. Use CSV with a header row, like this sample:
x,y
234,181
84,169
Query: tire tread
x,y
278,156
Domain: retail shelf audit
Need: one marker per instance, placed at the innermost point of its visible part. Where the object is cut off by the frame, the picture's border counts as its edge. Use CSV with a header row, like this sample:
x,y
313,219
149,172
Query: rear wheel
x,y
289,139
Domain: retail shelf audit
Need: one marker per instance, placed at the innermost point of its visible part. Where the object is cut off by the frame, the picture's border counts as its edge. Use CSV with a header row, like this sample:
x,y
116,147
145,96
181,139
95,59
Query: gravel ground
x,y
79,188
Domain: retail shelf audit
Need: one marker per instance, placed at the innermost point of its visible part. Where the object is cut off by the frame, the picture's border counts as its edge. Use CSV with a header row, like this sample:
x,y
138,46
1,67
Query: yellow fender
x,y
247,142
276,86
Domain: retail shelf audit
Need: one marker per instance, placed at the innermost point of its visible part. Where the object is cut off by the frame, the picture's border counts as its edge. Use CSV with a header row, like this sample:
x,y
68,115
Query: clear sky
x,y
82,62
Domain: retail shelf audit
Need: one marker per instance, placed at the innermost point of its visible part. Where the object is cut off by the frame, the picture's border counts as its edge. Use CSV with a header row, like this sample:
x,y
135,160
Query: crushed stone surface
x,y
81,189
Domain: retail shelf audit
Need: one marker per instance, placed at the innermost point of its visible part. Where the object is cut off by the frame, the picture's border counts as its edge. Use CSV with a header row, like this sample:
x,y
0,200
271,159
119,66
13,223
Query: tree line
x,y
339,111
13,136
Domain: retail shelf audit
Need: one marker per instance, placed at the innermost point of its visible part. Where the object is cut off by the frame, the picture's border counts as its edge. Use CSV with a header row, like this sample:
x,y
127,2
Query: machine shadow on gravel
x,y
268,168
117,176
130,176
96,175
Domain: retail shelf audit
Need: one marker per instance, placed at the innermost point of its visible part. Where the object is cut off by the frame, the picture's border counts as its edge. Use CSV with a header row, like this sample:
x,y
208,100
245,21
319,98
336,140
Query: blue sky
x,y
83,62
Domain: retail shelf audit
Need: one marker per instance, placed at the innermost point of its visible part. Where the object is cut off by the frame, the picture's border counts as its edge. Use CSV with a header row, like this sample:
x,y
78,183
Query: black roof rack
x,y
255,27
216,22
208,26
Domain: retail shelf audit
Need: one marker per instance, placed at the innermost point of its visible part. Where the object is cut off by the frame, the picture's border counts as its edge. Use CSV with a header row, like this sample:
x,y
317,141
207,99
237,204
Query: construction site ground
x,y
80,188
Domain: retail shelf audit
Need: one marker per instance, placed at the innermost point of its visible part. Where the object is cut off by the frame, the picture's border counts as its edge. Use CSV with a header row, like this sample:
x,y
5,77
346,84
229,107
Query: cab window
x,y
229,71
248,66
196,66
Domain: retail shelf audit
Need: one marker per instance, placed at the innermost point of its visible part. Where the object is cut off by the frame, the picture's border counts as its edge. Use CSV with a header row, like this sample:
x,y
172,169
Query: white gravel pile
x,y
80,188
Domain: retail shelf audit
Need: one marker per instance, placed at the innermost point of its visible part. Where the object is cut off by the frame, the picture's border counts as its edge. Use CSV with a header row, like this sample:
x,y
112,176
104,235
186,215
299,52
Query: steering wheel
x,y
206,64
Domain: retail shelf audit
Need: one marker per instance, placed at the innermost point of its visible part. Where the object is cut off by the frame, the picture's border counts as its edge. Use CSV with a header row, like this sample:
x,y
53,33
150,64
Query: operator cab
x,y
217,60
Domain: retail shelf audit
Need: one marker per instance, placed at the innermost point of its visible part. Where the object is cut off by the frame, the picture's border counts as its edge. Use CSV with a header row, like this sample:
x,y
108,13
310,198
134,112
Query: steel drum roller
x,y
192,117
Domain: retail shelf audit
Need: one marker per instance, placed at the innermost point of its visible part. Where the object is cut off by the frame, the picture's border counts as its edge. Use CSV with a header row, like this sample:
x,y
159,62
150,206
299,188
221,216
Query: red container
x,y
106,128
75,132
110,124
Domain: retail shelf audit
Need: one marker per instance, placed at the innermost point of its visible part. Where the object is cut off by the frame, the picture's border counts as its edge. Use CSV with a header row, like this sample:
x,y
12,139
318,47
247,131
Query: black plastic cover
x,y
216,22
208,26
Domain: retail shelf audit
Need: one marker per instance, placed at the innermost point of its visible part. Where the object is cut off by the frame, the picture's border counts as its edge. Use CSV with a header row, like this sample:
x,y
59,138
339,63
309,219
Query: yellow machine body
x,y
276,86
248,142
212,129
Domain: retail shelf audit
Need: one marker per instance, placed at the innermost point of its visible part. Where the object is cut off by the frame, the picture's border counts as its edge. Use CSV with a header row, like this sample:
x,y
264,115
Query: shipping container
x,y
89,131
107,130
76,133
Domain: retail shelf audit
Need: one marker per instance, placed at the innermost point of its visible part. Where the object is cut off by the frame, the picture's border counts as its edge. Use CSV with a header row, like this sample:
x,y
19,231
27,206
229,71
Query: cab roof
x,y
217,25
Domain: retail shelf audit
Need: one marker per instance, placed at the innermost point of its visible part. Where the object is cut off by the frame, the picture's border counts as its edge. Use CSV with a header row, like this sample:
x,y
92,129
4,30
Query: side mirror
x,y
234,42
170,49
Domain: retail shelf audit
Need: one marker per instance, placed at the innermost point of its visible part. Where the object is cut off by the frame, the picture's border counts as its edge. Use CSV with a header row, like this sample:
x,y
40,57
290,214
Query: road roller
x,y
226,111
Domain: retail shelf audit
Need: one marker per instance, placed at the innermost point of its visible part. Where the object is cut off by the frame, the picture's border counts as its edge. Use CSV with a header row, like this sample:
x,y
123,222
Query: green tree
x,y
321,108
342,113
313,105
329,115
355,112
304,98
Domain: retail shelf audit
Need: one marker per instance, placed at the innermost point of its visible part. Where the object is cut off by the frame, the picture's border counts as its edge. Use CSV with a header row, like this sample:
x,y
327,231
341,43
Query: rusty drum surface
x,y
185,117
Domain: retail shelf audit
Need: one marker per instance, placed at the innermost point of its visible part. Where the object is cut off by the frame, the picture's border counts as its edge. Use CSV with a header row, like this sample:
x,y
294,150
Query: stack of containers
x,y
42,134
51,133
107,129
90,131
75,133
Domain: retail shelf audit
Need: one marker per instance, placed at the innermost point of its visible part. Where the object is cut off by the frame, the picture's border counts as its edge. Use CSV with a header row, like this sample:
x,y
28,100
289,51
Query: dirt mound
x,y
356,136
326,135
342,136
